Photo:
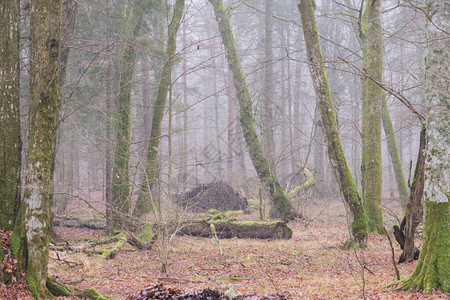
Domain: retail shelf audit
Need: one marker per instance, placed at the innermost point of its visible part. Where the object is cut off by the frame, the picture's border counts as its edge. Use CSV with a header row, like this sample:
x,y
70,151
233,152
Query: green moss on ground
x,y
92,294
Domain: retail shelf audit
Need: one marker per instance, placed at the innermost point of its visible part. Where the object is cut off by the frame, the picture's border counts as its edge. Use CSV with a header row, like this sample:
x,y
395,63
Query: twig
x,y
363,277
394,93
397,273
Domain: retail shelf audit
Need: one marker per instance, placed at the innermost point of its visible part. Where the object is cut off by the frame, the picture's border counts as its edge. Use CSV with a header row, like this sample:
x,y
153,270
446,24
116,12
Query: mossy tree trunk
x,y
143,204
10,141
372,99
120,191
356,217
432,269
44,65
259,161
391,141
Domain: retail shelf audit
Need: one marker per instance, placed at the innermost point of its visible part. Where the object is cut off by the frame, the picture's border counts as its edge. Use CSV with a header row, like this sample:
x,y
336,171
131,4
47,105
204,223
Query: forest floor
x,y
311,265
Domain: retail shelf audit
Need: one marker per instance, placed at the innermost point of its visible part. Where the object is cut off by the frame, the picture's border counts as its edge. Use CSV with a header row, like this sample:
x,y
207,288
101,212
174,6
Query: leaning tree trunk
x,y
44,65
414,209
143,204
432,269
10,141
260,162
372,99
356,217
120,191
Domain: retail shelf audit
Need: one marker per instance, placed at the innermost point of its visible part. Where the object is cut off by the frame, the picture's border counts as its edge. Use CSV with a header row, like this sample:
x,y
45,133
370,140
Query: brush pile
x,y
216,195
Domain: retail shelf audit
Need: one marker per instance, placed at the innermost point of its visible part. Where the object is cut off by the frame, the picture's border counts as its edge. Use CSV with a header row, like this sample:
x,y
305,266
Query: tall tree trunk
x,y
268,125
260,162
432,269
10,140
393,153
120,191
184,148
109,134
144,198
356,217
44,65
372,99
230,121
68,19
218,157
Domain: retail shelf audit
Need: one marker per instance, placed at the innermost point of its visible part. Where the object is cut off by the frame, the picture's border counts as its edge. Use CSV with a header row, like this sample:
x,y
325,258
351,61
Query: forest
x,y
224,149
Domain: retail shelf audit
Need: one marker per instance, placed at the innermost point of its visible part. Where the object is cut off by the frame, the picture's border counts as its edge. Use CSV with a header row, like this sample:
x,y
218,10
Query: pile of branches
x,y
216,195
161,292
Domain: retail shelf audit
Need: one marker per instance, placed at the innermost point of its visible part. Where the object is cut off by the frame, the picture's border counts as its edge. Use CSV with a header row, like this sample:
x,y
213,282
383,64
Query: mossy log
x,y
246,229
310,181
112,252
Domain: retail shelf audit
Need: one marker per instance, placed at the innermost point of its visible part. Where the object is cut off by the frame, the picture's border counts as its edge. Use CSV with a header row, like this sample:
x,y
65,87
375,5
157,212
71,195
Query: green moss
x,y
32,287
147,233
57,288
432,267
253,202
238,278
92,294
18,248
213,211
226,215
213,228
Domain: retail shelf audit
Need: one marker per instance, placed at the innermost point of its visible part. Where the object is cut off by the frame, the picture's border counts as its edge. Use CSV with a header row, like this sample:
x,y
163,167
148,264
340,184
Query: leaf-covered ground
x,y
311,265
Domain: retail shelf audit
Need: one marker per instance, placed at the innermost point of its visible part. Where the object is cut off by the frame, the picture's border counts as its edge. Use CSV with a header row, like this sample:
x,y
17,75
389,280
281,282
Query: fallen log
x,y
245,229
95,224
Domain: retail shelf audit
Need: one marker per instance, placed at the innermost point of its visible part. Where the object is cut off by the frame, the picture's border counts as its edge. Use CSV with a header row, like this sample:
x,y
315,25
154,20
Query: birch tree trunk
x,y
259,161
44,66
120,191
372,99
143,204
10,141
356,217
432,269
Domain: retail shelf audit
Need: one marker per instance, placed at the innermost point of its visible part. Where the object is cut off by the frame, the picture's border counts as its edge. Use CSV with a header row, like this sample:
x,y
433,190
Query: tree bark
x,y
10,140
356,217
44,66
120,192
260,162
143,204
432,269
414,209
372,99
